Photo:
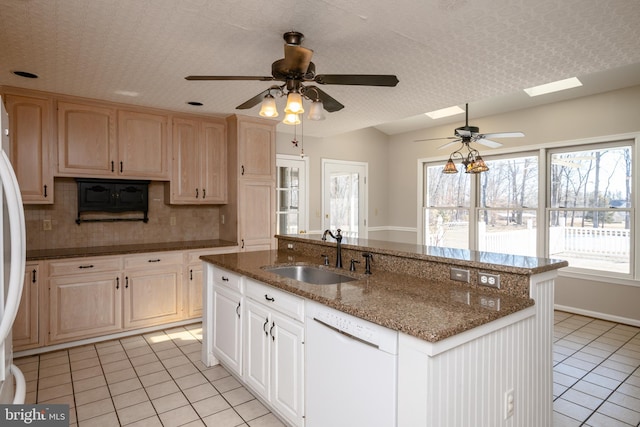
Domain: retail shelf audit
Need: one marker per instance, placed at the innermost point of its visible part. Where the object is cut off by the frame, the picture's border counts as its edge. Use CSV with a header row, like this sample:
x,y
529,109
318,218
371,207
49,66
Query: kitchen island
x,y
466,353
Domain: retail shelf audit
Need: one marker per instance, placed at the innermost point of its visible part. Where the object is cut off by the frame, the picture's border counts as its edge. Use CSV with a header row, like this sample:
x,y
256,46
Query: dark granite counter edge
x,y
46,254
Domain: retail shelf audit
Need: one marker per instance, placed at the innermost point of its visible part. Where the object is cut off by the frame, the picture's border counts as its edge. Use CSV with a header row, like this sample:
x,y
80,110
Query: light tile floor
x,y
596,374
157,379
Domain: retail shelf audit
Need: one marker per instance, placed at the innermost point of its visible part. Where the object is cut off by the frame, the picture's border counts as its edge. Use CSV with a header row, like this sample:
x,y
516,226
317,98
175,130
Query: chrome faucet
x,y
338,238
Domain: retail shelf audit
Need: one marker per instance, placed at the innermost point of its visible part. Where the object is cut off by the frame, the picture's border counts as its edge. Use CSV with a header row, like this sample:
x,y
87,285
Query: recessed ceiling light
x,y
445,112
127,93
554,86
26,74
195,103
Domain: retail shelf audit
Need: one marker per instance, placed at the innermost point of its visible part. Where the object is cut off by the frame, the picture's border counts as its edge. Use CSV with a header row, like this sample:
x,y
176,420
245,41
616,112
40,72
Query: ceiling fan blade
x,y
253,101
259,78
436,139
502,135
329,103
296,60
488,143
449,144
357,79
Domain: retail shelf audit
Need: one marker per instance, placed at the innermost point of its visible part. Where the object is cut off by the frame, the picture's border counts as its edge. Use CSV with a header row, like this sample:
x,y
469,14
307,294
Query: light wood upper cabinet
x,y
256,149
142,145
90,146
30,139
86,140
199,162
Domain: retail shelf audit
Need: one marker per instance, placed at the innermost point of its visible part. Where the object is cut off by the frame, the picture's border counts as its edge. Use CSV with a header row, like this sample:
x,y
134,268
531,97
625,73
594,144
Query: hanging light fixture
x,y
472,162
268,107
294,103
291,119
316,111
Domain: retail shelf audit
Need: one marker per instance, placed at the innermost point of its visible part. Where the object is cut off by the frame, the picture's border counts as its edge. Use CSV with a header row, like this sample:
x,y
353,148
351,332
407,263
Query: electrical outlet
x,y
491,280
46,224
289,245
459,275
509,404
222,219
172,220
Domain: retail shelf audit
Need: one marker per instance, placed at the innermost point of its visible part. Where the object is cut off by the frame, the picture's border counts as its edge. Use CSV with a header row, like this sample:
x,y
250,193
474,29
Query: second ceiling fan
x,y
296,69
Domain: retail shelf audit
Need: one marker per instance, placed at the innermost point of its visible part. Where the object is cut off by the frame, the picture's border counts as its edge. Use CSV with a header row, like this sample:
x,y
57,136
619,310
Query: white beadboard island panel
x,y
463,383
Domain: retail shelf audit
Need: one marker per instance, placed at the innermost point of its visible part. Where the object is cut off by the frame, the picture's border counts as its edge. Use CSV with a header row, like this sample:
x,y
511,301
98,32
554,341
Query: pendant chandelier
x,y
472,161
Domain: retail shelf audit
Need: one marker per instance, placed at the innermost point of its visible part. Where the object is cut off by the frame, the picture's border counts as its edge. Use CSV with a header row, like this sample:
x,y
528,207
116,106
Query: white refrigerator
x,y
12,252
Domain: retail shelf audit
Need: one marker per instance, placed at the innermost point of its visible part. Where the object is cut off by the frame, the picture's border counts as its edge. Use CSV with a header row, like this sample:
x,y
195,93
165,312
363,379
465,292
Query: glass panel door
x,y
345,198
291,195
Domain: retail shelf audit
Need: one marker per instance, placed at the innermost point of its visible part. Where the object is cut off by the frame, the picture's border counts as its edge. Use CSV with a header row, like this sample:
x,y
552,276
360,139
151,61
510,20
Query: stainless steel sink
x,y
309,274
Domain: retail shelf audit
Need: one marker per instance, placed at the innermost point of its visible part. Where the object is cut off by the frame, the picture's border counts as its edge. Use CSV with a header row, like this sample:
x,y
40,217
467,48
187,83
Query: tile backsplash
x,y
191,222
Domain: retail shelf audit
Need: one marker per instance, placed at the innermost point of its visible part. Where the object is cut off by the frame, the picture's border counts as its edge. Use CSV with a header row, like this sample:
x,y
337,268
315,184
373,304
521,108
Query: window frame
x,y
543,151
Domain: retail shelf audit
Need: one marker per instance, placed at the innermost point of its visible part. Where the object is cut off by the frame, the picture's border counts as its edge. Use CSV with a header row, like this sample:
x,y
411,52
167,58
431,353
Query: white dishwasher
x,y
351,370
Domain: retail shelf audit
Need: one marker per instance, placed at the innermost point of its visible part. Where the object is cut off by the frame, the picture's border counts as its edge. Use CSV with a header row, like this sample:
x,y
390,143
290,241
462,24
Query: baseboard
x,y
597,315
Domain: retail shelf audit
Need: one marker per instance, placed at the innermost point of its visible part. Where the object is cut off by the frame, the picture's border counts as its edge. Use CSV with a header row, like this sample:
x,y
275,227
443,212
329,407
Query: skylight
x,y
554,86
445,112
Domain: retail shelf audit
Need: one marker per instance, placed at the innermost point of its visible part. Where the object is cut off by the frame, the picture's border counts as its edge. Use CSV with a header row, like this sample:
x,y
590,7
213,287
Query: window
x,y
585,210
507,217
590,207
291,217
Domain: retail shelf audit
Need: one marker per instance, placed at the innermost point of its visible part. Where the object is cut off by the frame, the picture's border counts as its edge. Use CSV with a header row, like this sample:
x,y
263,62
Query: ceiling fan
x,y
465,135
296,69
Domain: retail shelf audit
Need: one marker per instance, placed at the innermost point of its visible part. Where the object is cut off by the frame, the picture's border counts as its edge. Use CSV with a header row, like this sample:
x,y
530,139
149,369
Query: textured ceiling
x,y
444,52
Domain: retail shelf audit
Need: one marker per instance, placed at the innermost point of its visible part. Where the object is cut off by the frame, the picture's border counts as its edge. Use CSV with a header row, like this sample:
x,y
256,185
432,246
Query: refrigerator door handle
x,y
18,250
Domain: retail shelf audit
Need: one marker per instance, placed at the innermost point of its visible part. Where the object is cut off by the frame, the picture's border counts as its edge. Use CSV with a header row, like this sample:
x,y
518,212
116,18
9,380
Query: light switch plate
x,y
459,274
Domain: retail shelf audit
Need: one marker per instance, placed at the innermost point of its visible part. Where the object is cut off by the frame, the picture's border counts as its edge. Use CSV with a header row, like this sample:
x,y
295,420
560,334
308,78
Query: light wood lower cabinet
x,y
83,306
153,294
88,297
26,329
227,331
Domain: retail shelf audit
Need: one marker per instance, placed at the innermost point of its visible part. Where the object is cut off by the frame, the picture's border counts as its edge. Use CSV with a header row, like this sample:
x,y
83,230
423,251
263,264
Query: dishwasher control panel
x,y
343,323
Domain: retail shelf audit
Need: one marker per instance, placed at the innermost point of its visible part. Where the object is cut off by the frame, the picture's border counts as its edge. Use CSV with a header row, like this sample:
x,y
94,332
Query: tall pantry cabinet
x,y
250,216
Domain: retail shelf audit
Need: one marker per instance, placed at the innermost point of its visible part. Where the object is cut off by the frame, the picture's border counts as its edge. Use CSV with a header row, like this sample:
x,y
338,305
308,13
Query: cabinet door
x,y
257,348
152,296
257,219
256,149
84,305
185,181
287,368
142,145
227,328
30,139
25,328
86,140
194,291
213,146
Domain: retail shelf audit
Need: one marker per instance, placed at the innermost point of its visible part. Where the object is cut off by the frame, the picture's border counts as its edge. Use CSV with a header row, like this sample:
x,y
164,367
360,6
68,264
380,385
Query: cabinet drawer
x,y
84,265
154,259
276,299
227,279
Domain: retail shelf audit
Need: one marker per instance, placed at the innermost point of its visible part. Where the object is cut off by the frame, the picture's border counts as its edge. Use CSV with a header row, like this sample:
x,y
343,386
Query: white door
x,y
344,202
291,189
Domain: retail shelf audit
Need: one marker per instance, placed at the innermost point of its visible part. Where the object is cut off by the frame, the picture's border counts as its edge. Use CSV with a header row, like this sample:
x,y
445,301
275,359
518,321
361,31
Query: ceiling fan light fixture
x,y
294,103
268,107
477,165
291,119
450,167
316,111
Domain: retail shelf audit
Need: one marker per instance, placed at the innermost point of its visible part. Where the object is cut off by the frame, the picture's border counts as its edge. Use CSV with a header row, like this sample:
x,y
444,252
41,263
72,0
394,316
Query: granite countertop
x,y
44,254
507,263
426,309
